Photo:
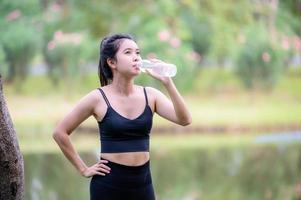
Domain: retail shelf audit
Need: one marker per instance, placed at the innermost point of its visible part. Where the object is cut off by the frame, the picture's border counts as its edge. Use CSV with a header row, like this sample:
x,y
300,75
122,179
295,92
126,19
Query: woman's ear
x,y
111,62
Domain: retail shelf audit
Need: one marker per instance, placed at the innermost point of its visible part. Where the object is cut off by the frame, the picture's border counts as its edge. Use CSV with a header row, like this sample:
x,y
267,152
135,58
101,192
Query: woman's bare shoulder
x,y
92,97
152,91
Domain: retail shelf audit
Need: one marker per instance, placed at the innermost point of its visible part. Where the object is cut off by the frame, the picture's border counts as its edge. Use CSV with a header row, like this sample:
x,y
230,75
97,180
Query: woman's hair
x,y
108,49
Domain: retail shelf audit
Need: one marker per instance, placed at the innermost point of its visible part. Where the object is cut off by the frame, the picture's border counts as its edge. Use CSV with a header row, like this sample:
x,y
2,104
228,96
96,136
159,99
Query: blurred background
x,y
239,70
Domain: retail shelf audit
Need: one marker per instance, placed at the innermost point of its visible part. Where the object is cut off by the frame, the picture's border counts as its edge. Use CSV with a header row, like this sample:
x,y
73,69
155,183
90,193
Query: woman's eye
x,y
138,52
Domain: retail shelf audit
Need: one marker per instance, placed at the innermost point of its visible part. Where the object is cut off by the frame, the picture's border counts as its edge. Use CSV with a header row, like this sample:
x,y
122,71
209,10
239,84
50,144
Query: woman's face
x,y
128,57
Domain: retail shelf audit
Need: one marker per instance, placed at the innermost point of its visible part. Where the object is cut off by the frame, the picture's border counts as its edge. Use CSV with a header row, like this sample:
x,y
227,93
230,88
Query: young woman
x,y
124,112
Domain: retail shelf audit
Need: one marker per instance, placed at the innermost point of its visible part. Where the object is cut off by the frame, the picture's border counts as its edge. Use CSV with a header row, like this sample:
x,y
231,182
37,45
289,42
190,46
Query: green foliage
x,y
28,8
65,58
259,61
19,36
20,43
3,64
158,40
290,15
206,30
225,22
201,32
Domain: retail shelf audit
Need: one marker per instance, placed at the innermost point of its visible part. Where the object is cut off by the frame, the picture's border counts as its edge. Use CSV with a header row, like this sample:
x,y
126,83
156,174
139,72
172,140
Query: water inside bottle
x,y
164,69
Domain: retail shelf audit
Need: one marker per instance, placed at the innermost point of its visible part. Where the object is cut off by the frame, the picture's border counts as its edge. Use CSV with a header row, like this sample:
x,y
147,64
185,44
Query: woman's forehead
x,y
128,44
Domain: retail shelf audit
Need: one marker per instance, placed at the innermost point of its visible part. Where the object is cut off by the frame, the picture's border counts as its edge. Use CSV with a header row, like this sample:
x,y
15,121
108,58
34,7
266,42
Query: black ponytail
x,y
108,49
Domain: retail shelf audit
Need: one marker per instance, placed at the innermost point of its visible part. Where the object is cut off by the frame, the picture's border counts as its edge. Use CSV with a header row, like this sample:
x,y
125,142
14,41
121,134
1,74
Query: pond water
x,y
262,170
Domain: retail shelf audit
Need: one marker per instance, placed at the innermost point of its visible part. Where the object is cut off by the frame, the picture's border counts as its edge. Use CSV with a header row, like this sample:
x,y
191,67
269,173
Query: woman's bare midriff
x,y
129,158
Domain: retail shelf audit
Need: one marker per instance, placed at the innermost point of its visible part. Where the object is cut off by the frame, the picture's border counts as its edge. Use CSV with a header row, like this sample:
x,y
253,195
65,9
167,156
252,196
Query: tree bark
x,y
11,159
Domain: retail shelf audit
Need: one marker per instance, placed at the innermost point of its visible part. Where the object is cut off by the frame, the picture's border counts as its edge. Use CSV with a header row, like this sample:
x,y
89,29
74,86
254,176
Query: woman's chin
x,y
137,72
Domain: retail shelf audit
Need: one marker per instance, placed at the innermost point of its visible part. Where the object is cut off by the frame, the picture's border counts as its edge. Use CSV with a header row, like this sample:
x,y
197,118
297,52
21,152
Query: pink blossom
x,y
298,190
194,56
58,35
285,44
175,42
297,43
164,35
266,57
13,15
73,38
77,39
56,7
51,45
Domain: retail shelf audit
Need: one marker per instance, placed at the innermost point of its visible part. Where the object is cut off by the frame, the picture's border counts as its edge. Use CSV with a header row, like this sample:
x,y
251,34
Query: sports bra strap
x,y
108,103
145,94
104,97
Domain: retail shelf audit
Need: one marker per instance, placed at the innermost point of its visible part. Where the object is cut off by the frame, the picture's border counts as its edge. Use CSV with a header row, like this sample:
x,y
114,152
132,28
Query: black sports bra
x,y
119,134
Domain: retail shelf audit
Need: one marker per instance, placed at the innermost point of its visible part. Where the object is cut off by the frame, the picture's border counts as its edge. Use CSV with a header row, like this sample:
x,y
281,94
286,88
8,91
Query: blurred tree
x,y
260,60
105,17
200,31
65,45
3,64
163,33
66,52
227,19
20,37
19,44
290,15
187,32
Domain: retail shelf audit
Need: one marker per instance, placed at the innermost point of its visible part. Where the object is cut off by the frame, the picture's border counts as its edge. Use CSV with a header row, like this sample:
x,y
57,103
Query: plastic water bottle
x,y
161,68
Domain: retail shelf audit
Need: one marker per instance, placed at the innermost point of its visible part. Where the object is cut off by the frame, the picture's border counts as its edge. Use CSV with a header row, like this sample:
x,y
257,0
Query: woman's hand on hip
x,y
97,169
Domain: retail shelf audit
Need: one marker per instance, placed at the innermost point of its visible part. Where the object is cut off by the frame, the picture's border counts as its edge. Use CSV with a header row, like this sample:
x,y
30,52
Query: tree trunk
x,y
11,159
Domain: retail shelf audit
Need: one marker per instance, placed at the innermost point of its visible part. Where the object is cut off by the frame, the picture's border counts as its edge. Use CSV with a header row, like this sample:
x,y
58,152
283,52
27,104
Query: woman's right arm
x,y
84,109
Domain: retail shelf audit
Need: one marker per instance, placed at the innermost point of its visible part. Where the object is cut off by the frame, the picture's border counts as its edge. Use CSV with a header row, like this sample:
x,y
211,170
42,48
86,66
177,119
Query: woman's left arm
x,y
175,109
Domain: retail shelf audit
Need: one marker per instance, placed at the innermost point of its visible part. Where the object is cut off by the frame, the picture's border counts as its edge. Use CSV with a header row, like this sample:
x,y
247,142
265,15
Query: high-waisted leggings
x,y
123,182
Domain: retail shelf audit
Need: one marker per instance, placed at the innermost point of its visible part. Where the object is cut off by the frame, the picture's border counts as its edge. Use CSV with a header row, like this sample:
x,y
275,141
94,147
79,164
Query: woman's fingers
x,y
104,166
149,72
98,169
103,161
99,173
102,169
155,60
153,74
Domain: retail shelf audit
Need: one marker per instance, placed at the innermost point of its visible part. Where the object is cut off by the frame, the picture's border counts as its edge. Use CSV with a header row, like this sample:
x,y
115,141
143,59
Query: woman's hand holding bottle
x,y
158,69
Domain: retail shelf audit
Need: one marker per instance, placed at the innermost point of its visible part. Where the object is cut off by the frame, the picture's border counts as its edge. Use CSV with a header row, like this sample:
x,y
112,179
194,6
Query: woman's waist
x,y
127,158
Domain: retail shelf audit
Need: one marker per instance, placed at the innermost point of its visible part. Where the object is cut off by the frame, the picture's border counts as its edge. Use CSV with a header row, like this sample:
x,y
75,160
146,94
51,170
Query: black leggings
x,y
123,182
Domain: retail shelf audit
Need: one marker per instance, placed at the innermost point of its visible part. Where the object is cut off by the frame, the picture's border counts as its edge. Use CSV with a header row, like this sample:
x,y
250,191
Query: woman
x,y
124,113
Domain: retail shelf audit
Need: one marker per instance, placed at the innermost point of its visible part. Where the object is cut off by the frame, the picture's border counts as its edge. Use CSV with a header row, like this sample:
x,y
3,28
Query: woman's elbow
x,y
186,122
57,135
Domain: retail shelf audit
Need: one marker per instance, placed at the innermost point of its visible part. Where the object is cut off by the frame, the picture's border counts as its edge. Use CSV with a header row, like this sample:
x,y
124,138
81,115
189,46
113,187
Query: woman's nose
x,y
137,58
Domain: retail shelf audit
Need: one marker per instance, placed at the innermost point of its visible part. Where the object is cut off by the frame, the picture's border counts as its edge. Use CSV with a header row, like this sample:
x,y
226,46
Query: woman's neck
x,y
123,86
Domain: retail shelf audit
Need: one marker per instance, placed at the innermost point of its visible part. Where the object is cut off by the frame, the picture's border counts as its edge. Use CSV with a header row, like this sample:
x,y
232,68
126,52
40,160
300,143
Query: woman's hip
x,y
124,177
